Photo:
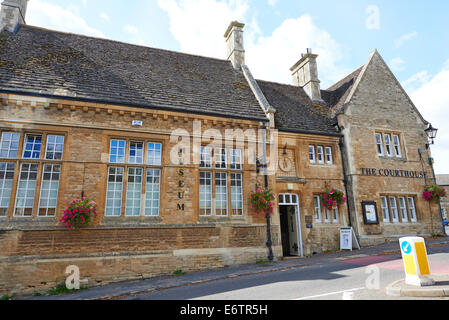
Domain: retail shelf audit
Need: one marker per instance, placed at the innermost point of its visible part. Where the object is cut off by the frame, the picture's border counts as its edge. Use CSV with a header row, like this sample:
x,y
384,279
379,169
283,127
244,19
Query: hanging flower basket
x,y
433,193
79,213
262,201
333,198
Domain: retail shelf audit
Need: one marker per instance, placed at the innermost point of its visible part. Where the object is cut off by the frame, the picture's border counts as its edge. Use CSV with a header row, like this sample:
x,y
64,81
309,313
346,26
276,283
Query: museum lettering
x,y
393,173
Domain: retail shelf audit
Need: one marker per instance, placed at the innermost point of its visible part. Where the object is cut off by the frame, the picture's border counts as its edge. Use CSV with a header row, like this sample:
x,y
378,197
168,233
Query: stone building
x,y
131,128
443,181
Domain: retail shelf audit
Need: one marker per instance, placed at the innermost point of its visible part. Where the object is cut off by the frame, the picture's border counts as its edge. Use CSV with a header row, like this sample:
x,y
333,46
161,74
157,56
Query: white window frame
x,y
394,209
153,194
320,154
220,158
412,208
237,194
397,146
219,176
335,214
6,187
403,209
133,196
385,209
26,190
55,145
117,155
312,156
113,207
49,196
388,145
327,217
329,157
317,208
379,144
236,159
33,143
206,157
9,149
208,193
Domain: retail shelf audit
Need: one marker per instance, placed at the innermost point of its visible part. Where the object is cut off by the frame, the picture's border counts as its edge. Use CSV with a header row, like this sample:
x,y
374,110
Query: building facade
x,y
168,145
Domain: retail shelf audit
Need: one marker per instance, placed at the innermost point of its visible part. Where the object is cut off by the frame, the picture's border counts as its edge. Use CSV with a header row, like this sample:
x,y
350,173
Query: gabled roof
x,y
294,109
52,63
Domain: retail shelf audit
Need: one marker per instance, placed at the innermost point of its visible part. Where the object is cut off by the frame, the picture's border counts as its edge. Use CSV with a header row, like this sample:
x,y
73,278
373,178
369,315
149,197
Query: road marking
x,y
331,293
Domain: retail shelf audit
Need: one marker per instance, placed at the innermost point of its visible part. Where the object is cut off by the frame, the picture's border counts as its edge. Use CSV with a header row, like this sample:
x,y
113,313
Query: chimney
x,y
305,74
12,14
234,40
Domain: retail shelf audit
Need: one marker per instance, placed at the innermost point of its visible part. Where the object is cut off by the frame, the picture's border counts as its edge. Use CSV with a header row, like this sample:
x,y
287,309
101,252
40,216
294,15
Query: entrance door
x,y
290,225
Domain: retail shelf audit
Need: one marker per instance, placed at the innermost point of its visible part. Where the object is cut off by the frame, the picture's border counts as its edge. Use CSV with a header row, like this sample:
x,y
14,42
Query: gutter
x,y
137,105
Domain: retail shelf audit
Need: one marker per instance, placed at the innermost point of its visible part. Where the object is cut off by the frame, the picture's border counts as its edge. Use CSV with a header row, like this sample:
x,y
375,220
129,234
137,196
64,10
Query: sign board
x,y
369,209
348,240
137,123
416,263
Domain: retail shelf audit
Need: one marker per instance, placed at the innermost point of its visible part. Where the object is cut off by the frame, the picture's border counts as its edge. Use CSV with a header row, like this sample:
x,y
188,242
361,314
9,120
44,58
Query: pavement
x,y
129,289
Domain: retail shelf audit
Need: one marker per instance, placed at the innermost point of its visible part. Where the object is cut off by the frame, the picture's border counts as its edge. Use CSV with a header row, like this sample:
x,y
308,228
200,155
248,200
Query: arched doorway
x,y
289,215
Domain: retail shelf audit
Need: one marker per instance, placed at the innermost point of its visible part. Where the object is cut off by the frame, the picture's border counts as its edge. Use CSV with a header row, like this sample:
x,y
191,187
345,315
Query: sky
x,y
411,35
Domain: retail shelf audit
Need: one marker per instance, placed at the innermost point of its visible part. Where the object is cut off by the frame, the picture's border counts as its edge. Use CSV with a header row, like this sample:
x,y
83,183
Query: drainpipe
x,y
345,180
265,173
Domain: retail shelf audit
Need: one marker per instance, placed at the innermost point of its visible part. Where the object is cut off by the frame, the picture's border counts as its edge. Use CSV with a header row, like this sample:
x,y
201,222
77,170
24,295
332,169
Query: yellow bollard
x,y
416,263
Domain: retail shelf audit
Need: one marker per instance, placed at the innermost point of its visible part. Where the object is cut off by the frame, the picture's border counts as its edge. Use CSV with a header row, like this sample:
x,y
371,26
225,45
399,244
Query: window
x,y
317,206
9,146
49,190
114,192
220,158
327,217
397,146
135,152
312,154
154,154
380,148
394,209
133,192
152,190
329,158
387,138
205,157
236,159
32,146
205,193
411,206
320,154
236,194
385,212
335,215
221,193
403,209
55,147
25,190
6,181
117,151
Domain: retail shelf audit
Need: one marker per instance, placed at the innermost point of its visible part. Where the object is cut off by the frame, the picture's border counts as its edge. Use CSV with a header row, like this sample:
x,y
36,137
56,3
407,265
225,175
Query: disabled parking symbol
x,y
406,247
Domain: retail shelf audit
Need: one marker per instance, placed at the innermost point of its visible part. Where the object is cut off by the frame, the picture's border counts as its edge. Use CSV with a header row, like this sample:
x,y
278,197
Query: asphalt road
x,y
359,277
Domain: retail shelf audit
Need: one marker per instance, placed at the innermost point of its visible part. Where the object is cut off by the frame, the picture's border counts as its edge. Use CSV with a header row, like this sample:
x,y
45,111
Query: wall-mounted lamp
x,y
431,133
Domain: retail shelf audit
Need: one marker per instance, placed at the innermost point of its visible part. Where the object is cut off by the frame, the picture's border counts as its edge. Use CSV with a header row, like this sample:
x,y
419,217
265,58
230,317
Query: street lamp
x,y
431,133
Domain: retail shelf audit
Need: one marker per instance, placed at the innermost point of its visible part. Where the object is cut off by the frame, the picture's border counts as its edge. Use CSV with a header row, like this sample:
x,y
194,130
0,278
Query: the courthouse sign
x,y
393,173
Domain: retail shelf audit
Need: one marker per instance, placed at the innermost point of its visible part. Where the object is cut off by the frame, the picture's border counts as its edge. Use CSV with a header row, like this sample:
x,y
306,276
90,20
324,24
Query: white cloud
x,y
273,2
416,81
399,42
397,64
432,100
104,16
131,29
46,15
199,26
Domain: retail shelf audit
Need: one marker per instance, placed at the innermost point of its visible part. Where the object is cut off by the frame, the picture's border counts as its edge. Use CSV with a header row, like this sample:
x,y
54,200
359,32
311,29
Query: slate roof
x,y
294,109
46,62
335,96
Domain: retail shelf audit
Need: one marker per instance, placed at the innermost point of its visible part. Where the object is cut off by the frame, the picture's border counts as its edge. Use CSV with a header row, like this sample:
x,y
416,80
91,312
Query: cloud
x,y
416,81
432,100
46,15
397,64
399,42
199,26
104,16
273,2
131,29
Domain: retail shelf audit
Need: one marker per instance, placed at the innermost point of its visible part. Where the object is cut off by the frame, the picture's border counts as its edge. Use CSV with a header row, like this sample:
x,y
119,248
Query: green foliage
x,y
261,200
178,272
6,297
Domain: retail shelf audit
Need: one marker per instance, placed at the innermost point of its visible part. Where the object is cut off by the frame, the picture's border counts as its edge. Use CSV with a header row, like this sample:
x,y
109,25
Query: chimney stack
x,y
12,14
234,40
305,74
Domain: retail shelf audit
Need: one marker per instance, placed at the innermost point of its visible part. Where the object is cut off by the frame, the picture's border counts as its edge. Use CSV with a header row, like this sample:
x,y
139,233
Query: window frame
x,y
395,218
379,144
312,160
385,209
403,209
397,145
318,214
10,142
329,155
388,145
